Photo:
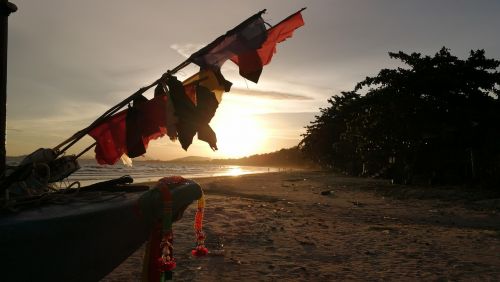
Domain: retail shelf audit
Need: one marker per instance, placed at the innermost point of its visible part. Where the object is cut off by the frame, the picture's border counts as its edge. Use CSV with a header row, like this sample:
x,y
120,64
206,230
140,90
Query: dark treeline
x,y
434,121
291,157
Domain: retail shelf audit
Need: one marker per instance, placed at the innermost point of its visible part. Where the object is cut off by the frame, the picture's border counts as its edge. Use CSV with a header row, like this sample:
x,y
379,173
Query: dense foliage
x,y
436,120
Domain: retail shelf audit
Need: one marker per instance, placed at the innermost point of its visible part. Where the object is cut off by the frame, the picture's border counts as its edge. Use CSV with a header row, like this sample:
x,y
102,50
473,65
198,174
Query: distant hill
x,y
191,159
291,157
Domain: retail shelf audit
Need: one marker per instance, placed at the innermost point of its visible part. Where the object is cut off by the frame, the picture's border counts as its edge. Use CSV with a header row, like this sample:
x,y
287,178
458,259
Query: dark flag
x,y
195,101
251,62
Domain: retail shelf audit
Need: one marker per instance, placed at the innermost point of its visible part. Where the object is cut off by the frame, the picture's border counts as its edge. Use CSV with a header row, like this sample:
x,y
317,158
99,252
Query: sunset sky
x,y
69,61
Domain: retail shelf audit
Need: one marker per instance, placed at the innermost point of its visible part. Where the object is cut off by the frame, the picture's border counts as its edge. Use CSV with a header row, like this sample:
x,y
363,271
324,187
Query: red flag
x,y
251,63
110,138
111,135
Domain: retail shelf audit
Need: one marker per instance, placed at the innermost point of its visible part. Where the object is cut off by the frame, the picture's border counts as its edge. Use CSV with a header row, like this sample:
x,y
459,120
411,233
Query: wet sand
x,y
278,227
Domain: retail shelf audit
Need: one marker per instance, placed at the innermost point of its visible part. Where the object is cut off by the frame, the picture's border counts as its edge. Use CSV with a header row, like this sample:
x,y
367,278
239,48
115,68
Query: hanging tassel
x,y
200,249
159,259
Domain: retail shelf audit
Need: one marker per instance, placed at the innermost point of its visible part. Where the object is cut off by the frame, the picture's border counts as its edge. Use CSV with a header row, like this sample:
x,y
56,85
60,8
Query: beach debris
x,y
370,253
305,242
492,233
327,192
300,269
357,204
296,179
236,261
322,225
217,253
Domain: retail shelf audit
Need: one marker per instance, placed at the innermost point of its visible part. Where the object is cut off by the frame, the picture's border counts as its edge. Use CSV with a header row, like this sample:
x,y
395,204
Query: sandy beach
x,y
279,227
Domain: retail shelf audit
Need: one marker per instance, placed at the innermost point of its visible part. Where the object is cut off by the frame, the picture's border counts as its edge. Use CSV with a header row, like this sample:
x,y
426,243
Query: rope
x,y
48,193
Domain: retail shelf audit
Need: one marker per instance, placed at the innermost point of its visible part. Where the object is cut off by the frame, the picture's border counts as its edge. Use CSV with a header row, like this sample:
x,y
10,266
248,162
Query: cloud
x,y
187,49
275,95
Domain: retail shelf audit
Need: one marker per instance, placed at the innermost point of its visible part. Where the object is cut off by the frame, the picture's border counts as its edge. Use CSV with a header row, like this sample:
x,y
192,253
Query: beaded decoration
x,y
166,261
159,258
200,249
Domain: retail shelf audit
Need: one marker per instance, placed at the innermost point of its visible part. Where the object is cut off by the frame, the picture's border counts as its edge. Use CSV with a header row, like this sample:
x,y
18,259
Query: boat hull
x,y
82,241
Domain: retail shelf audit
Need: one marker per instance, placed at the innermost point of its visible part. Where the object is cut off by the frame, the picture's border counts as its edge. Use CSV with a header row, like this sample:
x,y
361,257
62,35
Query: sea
x,y
147,171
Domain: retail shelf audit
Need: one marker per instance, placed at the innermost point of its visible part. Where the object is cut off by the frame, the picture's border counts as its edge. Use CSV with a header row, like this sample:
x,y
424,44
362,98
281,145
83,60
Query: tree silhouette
x,y
436,120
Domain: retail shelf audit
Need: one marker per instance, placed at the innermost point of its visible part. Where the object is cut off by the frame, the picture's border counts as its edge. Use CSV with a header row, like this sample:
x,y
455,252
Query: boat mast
x,y
5,9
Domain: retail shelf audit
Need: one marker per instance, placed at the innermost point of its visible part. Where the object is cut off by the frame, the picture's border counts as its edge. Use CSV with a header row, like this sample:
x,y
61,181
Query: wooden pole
x,y
6,8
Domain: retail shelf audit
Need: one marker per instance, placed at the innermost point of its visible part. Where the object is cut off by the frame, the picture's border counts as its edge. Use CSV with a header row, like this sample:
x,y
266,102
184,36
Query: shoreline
x,y
144,173
278,226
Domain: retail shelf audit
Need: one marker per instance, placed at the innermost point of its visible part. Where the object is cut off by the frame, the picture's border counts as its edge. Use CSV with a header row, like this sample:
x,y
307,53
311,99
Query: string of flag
x,y
184,109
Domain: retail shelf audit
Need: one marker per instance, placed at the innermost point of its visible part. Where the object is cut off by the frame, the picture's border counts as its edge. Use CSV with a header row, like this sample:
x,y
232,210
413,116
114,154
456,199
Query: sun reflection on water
x,y
235,171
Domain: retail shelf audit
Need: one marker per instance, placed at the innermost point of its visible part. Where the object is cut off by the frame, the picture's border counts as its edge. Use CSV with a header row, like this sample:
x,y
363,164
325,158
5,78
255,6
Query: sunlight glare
x,y
238,135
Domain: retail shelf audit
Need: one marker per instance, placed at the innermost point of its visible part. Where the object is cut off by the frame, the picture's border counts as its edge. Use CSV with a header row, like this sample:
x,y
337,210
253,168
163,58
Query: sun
x,y
238,135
